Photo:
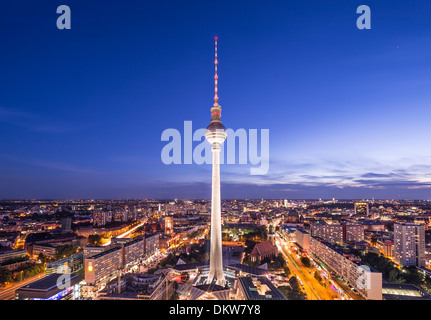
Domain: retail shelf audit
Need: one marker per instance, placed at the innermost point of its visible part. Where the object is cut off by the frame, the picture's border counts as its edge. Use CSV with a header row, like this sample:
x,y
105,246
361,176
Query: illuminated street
x,y
8,293
311,286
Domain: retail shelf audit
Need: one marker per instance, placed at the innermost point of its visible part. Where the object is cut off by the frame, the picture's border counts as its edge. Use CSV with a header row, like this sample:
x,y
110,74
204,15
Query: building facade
x,y
361,208
339,232
303,238
366,281
409,244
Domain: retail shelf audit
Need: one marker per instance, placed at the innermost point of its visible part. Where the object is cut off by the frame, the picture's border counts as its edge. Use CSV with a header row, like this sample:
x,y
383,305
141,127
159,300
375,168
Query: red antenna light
x,y
216,76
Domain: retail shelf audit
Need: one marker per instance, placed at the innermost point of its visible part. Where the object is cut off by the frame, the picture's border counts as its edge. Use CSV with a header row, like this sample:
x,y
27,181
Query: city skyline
x,y
272,250
82,110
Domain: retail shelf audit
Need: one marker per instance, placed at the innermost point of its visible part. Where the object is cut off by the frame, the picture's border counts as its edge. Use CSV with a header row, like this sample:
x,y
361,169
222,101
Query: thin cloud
x,y
49,164
33,122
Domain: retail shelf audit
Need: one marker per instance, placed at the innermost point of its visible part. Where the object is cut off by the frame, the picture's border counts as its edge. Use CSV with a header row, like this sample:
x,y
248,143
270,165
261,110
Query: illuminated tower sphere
x,y
216,134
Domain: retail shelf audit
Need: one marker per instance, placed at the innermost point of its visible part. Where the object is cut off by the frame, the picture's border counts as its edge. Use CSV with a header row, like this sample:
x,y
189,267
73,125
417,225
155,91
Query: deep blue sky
x,y
82,110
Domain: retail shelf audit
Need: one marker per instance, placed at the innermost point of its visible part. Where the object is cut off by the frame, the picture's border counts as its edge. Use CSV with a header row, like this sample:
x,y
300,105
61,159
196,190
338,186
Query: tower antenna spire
x,y
216,76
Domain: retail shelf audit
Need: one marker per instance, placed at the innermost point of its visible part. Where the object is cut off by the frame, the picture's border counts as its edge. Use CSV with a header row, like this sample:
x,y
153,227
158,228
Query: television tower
x,y
215,134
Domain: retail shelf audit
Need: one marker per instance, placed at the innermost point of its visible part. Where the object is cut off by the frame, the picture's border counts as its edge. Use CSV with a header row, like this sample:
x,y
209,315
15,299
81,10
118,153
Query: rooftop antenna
x,y
216,76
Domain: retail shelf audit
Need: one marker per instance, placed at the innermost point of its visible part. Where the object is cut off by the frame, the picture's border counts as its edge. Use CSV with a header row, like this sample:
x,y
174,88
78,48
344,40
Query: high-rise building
x,y
169,225
66,223
409,244
333,233
99,268
151,243
361,208
101,218
216,134
385,247
353,232
302,238
338,232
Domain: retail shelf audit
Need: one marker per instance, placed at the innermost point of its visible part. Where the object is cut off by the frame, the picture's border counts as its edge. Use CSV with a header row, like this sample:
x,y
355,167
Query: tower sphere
x,y
215,133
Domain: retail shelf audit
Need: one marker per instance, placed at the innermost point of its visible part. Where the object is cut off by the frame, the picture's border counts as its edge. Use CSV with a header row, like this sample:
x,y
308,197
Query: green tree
x,y
413,276
65,251
5,275
95,240
306,262
294,283
293,291
394,276
427,282
286,271
249,246
41,257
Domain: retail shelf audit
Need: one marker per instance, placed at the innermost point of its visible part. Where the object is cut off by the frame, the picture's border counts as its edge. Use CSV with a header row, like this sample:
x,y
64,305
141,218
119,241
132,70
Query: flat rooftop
x,y
248,269
47,283
403,291
260,288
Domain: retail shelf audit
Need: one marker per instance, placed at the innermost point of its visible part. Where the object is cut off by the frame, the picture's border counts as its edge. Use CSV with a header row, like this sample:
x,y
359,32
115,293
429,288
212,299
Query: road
x,y
9,293
312,287
347,293
129,232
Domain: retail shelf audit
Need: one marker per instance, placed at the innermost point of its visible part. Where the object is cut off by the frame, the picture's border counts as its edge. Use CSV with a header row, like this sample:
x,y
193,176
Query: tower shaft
x,y
216,254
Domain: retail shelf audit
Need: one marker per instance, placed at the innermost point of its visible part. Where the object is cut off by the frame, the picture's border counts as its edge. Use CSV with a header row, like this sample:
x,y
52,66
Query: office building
x,y
386,248
101,267
66,223
332,233
338,232
133,251
53,287
151,243
101,218
46,249
66,265
93,250
303,238
8,255
169,225
361,209
409,244
353,232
